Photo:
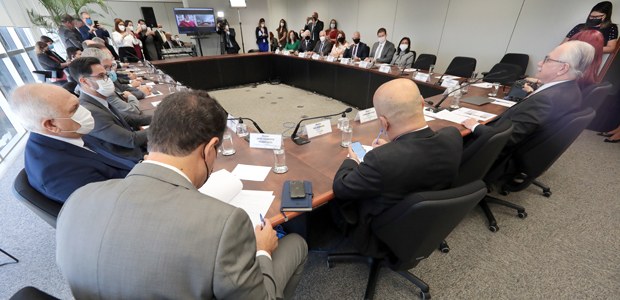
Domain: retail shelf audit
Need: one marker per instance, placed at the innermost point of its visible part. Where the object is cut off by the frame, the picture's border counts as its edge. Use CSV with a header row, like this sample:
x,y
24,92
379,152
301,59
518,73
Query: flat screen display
x,y
195,20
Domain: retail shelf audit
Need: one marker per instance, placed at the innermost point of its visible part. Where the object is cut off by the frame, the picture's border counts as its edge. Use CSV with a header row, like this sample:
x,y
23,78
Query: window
x,y
9,39
25,36
7,78
10,130
24,66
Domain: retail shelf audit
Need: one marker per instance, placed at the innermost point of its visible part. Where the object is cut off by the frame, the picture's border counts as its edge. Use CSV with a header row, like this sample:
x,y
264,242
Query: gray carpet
x,y
567,248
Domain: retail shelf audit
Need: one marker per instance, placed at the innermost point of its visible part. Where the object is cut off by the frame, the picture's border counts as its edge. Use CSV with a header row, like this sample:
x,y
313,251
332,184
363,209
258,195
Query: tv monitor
x,y
193,21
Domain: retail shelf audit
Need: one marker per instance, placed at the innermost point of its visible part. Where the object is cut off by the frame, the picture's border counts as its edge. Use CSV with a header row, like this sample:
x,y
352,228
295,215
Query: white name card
x,y
265,141
331,58
232,124
316,56
277,51
286,52
385,69
422,77
302,54
345,61
318,128
365,64
367,115
449,83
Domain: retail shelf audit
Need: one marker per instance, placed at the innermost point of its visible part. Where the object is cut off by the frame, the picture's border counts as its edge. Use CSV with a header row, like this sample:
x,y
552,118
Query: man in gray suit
x,y
154,235
115,131
69,35
323,46
383,50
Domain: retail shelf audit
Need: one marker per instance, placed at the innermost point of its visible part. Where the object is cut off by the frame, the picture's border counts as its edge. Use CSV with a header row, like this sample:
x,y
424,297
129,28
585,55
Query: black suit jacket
x,y
318,27
417,161
306,45
362,51
327,47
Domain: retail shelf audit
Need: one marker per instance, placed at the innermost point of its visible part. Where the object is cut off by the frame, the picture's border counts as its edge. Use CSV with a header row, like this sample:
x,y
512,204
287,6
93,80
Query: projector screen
x,y
193,21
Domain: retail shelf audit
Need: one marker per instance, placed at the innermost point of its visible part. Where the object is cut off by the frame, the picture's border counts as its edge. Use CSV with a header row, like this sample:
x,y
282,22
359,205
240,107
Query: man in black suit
x,y
306,45
227,36
413,158
558,96
358,51
323,46
315,27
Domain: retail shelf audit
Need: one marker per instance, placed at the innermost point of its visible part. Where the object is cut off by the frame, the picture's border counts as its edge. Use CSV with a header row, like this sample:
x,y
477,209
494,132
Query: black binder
x,y
301,204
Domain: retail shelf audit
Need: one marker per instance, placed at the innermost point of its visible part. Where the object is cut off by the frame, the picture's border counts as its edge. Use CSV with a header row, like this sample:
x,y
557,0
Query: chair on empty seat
x,y
424,61
519,59
44,207
595,94
461,66
412,229
504,73
32,293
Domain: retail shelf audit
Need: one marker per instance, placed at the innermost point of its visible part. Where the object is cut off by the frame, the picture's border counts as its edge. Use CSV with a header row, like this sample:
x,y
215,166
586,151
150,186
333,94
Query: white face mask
x,y
83,117
262,25
381,39
121,27
106,87
403,47
143,26
130,27
322,38
332,25
282,24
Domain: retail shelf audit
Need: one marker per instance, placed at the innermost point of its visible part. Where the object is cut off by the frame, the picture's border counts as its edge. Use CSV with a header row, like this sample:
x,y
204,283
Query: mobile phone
x,y
359,150
297,189
96,24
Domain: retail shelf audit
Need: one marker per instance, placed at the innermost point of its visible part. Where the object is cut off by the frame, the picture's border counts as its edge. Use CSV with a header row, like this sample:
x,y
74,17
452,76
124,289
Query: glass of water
x,y
431,69
456,99
347,134
279,161
343,122
494,89
227,145
242,130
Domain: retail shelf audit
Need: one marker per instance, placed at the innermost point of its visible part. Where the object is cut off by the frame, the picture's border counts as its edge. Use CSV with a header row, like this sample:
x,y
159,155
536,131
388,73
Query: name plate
x,y
231,124
302,54
449,83
367,115
345,61
422,77
265,141
285,52
385,69
277,51
365,64
331,58
316,56
318,128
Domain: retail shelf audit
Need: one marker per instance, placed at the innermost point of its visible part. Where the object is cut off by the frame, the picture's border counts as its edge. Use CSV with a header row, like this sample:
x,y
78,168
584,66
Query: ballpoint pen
x,y
380,133
262,221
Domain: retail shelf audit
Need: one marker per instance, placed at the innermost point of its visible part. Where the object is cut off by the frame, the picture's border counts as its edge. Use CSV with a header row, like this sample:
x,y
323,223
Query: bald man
x,y
409,158
59,157
358,50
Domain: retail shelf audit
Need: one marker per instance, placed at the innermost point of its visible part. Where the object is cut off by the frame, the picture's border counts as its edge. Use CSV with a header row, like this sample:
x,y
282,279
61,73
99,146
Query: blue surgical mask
x,y
50,47
89,22
112,76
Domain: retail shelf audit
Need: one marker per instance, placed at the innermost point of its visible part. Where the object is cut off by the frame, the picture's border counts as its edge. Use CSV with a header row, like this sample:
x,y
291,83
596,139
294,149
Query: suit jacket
x,y
327,47
70,37
362,51
56,168
115,131
260,38
386,54
405,59
306,45
50,62
232,39
153,235
417,161
315,30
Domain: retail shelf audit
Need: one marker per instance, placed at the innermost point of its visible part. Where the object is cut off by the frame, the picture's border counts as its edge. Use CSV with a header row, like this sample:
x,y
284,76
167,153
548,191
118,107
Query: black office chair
x,y
412,229
595,94
15,260
46,75
32,293
414,56
535,156
519,59
46,208
504,73
461,66
424,61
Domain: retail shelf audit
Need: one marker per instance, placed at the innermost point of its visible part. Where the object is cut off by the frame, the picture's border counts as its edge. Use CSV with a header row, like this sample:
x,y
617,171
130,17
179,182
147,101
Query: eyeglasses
x,y
100,76
547,59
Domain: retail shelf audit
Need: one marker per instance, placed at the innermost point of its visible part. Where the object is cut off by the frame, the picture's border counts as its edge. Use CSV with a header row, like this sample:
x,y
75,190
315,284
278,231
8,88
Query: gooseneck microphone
x,y
301,140
436,108
240,119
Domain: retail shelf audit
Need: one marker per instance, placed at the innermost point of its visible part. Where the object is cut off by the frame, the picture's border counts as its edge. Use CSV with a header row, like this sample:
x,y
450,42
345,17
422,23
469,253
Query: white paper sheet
x,y
484,85
445,115
155,103
503,102
222,185
250,172
254,203
472,113
154,94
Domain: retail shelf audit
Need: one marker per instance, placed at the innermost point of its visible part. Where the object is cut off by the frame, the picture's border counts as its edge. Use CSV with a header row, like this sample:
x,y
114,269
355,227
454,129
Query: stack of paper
x,y
503,102
252,173
445,115
472,113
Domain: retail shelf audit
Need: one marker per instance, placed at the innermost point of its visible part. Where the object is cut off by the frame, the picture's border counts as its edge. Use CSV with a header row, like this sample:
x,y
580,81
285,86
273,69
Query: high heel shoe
x,y
612,141
605,134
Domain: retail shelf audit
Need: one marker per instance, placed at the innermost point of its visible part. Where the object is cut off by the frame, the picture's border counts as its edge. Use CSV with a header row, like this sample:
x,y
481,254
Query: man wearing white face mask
x,y
118,133
59,158
324,46
383,50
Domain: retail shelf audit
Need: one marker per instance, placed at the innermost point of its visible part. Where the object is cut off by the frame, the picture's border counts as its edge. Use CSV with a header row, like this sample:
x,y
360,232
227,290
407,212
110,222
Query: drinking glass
x,y
227,145
347,134
494,89
242,130
279,158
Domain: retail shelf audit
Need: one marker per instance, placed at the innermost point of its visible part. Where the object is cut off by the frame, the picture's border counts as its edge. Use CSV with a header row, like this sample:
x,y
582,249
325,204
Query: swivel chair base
x,y
375,267
484,204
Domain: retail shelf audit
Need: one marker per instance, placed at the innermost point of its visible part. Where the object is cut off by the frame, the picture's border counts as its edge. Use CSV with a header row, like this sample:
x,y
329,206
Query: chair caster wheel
x,y
425,296
445,249
330,264
522,215
547,193
493,228
504,193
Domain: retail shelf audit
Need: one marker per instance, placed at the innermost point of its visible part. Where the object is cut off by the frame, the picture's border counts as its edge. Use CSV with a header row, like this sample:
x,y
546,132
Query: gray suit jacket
x,y
327,47
386,54
71,38
114,134
152,235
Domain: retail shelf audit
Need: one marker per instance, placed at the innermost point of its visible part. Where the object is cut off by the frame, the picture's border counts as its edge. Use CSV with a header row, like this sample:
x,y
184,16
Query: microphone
x,y
301,140
240,119
436,108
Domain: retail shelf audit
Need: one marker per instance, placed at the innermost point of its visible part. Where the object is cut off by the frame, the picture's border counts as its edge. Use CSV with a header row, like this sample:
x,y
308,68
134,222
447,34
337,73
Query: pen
x,y
380,133
262,221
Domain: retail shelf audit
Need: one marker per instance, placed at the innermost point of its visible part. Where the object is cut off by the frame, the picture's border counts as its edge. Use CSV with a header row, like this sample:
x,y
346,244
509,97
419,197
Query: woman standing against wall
x,y
262,36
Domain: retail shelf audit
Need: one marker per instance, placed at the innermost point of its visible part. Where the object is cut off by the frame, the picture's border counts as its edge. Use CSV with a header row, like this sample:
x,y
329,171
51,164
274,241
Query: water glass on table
x,y
431,69
279,164
494,89
227,145
347,135
242,130
343,122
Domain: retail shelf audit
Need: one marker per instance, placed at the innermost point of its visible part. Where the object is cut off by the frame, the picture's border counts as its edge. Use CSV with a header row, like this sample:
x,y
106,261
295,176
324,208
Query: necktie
x,y
378,53
354,51
321,49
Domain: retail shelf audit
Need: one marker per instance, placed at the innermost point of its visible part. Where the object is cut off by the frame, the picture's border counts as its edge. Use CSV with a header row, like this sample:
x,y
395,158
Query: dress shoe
x,y
605,134
612,141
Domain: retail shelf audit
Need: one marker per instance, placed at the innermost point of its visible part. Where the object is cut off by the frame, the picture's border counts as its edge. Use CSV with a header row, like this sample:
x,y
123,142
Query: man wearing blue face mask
x,y
59,157
87,30
118,133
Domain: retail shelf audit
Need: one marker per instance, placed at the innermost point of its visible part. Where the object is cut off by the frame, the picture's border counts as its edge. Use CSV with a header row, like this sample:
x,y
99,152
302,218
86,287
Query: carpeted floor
x,y
567,248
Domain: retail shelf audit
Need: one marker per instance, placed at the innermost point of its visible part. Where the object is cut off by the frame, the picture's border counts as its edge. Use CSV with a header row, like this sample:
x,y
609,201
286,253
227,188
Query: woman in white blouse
x,y
124,40
340,46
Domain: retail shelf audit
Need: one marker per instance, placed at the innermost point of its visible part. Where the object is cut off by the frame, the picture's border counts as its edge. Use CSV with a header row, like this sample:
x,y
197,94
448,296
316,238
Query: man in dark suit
x,y
358,51
69,35
558,96
315,27
382,50
415,159
228,39
166,238
58,158
118,133
306,45
323,46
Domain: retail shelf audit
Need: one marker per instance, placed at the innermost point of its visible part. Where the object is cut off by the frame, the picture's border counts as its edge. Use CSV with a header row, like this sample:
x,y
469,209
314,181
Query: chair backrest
x,y
504,73
536,154
519,59
461,66
413,228
424,61
414,56
480,153
44,207
32,293
594,95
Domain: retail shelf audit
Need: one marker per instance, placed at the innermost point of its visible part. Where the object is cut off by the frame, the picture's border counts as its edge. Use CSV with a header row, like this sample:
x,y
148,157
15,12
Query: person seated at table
x,y
118,133
600,19
358,50
306,44
403,57
324,46
332,32
558,96
155,224
410,157
51,62
340,46
59,157
73,53
273,42
293,42
383,50
51,47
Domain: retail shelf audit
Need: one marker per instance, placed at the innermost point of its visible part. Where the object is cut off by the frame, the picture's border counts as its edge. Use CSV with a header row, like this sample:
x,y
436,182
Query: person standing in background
x,y
69,36
282,34
599,19
137,44
148,37
87,30
315,26
262,36
332,32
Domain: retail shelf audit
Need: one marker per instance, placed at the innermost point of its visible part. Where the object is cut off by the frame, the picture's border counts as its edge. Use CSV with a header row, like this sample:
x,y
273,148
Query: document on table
x,y
445,115
484,85
502,102
250,172
448,77
155,103
154,94
472,113
226,187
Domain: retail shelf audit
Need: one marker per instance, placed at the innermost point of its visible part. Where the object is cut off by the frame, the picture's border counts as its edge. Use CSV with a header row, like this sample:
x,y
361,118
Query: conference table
x,y
318,160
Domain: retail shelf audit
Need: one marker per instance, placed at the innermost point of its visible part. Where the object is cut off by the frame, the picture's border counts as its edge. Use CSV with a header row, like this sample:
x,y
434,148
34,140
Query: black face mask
x,y
357,41
307,38
593,22
340,40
